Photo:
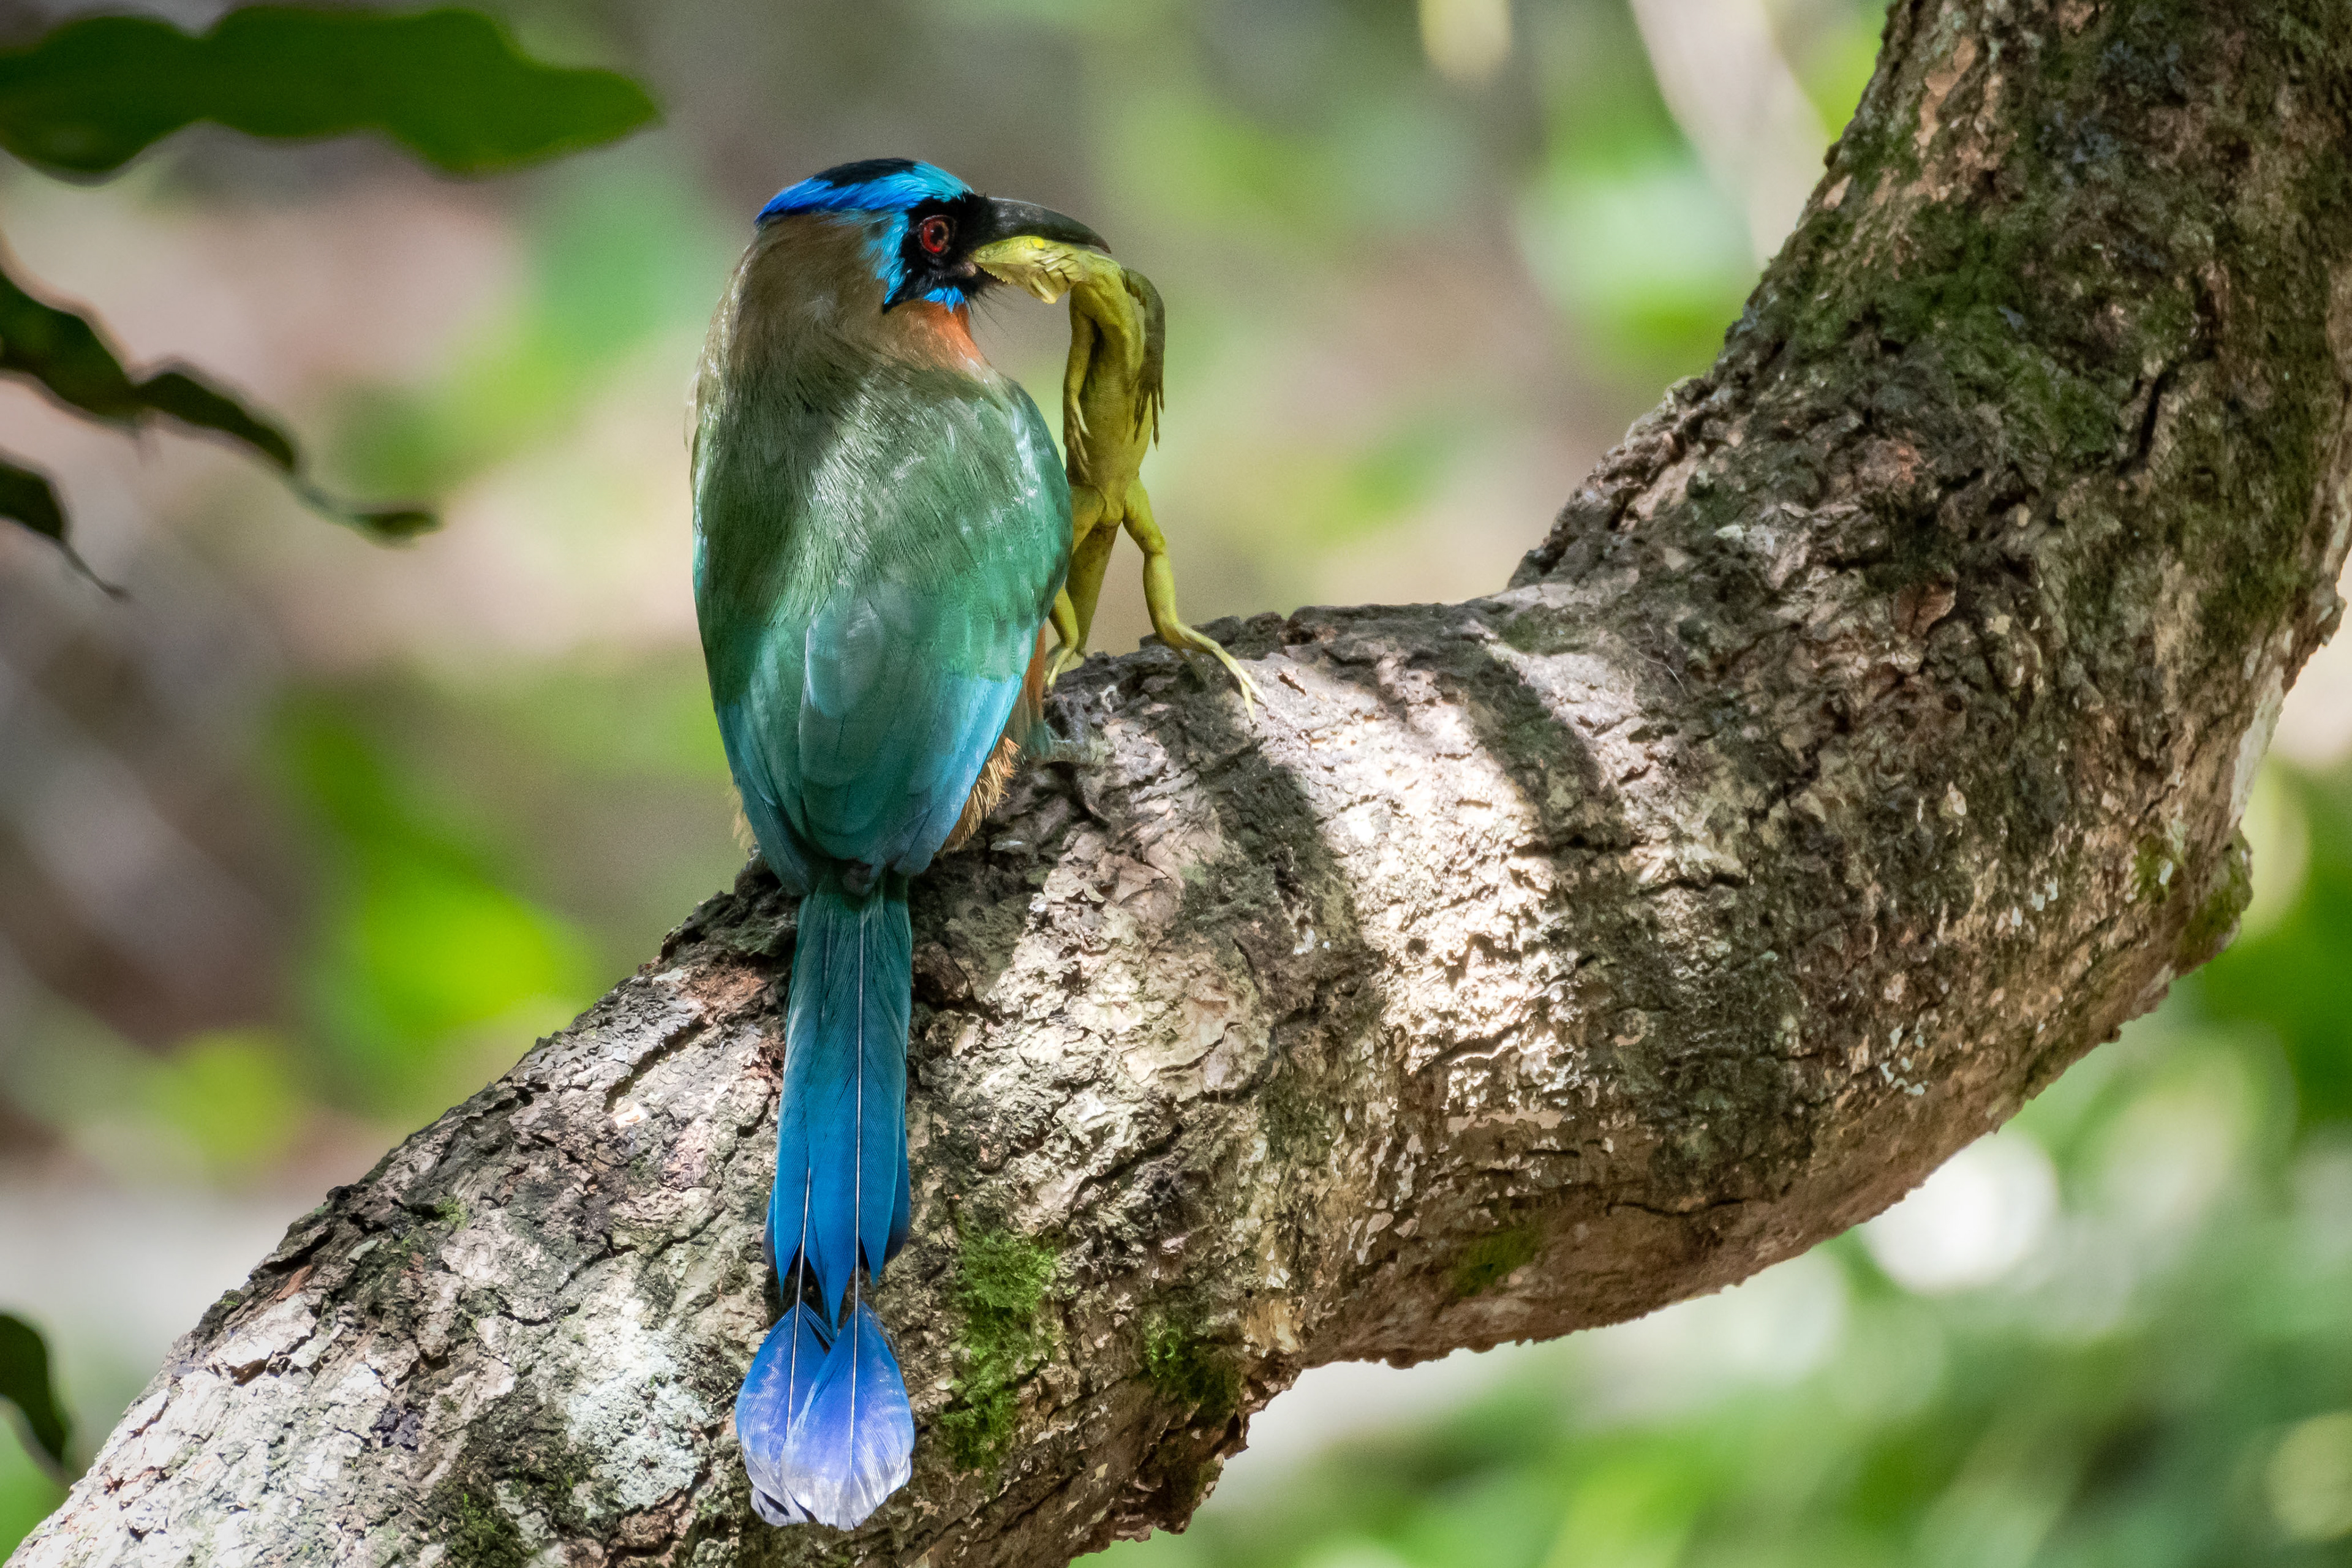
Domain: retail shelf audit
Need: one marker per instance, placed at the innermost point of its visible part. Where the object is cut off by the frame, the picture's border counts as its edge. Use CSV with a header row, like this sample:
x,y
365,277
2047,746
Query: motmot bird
x,y
880,529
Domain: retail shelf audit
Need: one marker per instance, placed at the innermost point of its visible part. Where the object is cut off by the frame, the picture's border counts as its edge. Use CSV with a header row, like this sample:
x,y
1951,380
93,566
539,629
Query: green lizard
x,y
1111,398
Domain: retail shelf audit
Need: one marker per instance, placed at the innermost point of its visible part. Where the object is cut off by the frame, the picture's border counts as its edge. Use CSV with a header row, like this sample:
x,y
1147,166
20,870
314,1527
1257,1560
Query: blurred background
x,y
309,839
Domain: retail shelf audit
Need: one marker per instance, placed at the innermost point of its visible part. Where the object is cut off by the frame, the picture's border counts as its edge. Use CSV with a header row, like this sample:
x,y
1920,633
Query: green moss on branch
x,y
1001,1284
1491,1259
1188,1370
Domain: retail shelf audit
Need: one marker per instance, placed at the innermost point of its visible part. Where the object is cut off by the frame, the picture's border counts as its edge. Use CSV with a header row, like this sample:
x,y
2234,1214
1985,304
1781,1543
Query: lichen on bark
x,y
1865,744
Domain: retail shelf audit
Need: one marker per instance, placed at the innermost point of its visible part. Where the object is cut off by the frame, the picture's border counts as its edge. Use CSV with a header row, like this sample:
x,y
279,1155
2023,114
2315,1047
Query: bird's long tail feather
x,y
835,1433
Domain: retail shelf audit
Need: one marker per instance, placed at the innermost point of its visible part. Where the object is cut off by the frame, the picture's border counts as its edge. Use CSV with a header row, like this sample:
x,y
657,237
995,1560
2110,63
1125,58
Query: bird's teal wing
x,y
869,643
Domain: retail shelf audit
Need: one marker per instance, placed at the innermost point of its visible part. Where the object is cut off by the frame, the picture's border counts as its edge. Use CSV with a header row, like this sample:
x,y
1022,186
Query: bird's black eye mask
x,y
935,255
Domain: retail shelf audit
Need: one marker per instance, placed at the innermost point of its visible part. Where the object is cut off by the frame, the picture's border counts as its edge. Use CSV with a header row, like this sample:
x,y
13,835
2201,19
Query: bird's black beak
x,y
1013,220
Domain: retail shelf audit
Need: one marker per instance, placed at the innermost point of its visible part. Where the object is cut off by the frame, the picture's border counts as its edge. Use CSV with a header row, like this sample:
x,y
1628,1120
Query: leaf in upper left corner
x,y
450,85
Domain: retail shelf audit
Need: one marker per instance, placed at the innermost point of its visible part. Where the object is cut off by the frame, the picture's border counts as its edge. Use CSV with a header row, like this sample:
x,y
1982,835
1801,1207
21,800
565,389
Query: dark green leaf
x,y
24,1382
68,357
191,402
64,354
27,497
449,85
388,525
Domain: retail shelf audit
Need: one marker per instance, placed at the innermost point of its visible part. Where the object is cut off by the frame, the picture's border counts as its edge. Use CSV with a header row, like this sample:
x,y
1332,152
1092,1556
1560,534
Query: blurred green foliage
x,y
222,1108
233,1094
444,826
618,255
62,351
426,969
448,824
2292,983
28,499
1645,256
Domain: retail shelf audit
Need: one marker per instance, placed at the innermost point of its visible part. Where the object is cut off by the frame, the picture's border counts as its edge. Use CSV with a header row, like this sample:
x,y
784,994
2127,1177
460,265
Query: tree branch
x,y
1864,744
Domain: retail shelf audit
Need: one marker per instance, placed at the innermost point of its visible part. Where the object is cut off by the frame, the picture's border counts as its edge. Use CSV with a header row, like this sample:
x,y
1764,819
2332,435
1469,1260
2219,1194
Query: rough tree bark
x,y
1863,745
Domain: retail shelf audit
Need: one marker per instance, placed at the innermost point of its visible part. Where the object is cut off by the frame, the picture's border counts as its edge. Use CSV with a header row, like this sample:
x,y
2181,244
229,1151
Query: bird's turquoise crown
x,y
922,225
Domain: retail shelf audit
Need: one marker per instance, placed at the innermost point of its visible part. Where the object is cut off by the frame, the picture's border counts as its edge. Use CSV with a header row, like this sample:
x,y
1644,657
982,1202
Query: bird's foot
x,y
1079,750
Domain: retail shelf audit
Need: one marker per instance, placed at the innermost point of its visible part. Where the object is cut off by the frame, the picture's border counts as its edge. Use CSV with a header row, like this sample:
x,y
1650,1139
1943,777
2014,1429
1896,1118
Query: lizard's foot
x,y
1188,641
1063,659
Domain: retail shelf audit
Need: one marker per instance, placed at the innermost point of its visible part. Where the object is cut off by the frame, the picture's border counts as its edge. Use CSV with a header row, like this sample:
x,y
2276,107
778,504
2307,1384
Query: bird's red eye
x,y
934,233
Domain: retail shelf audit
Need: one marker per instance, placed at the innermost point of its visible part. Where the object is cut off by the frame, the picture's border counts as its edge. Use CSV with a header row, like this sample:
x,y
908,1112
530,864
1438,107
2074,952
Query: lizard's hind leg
x,y
1073,608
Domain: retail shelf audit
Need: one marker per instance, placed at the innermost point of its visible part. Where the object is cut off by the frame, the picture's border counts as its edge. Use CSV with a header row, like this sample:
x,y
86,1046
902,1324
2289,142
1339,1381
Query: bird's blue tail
x,y
823,1416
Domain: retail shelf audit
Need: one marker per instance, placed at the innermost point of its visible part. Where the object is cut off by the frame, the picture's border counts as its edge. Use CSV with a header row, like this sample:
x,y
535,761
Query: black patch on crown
x,y
863,169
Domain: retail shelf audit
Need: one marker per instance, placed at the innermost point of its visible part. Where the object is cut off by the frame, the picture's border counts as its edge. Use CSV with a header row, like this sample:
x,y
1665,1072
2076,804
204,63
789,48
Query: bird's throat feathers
x,y
808,287
943,336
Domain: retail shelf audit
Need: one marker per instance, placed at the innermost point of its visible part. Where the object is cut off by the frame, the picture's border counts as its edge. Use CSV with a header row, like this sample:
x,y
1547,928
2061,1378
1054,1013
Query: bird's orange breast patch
x,y
943,335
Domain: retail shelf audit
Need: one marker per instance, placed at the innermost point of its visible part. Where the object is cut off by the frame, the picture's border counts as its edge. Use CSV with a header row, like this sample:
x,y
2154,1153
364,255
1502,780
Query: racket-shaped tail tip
x,y
853,1443
777,1388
